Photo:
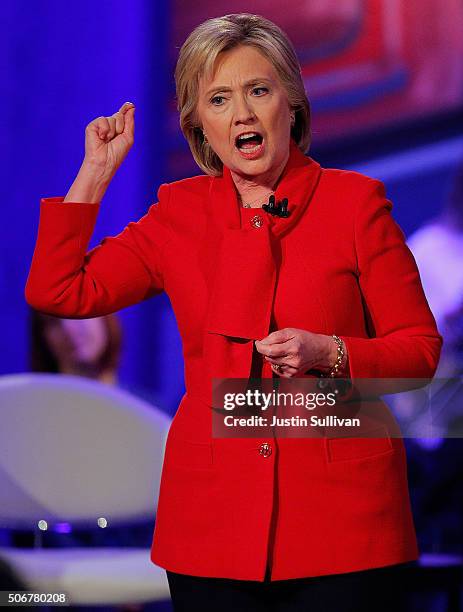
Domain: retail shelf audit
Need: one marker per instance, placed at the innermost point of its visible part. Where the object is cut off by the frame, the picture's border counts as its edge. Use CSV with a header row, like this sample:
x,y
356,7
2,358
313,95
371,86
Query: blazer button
x,y
265,449
257,221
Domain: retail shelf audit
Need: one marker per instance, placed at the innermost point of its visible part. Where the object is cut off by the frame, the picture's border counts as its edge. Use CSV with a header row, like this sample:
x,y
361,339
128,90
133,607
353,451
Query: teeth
x,y
248,135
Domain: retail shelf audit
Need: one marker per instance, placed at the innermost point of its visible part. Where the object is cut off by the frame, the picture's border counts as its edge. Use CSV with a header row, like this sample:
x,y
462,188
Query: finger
x,y
129,124
285,370
281,361
126,106
285,367
119,117
112,128
102,127
287,374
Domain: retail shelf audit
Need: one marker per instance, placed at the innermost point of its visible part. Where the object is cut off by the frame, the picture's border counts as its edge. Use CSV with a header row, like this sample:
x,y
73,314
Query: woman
x,y
81,347
262,522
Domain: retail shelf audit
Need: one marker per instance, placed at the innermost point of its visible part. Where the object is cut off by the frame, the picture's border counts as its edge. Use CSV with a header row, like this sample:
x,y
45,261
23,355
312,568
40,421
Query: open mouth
x,y
248,141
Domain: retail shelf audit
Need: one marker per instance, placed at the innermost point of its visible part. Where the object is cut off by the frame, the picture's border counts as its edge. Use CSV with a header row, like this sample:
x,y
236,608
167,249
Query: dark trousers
x,y
377,589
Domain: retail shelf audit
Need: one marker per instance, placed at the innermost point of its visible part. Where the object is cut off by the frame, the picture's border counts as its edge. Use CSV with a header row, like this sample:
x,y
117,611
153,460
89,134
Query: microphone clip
x,y
279,209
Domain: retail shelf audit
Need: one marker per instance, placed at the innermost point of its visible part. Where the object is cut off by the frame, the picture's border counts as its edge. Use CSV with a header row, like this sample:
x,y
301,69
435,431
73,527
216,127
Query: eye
x,y
216,98
261,88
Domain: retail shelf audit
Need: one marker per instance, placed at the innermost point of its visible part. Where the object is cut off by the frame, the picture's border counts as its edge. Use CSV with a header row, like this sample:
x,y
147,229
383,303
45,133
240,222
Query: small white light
x,y
102,522
43,525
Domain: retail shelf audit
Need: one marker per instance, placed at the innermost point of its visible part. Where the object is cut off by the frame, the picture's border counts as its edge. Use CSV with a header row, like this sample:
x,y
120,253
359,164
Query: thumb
x,y
277,336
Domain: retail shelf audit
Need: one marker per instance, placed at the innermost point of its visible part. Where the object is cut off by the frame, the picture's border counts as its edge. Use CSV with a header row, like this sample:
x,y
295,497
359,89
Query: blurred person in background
x,y
436,462
81,347
438,251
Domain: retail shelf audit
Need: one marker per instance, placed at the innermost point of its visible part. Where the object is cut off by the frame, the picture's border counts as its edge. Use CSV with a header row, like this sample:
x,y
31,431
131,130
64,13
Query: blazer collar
x,y
296,183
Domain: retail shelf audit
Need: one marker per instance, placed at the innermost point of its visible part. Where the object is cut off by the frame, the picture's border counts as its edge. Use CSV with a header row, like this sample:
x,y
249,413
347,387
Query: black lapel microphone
x,y
279,209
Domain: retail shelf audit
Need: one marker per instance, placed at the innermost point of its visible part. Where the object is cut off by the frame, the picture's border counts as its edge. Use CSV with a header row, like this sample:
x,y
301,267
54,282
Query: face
x,y
245,95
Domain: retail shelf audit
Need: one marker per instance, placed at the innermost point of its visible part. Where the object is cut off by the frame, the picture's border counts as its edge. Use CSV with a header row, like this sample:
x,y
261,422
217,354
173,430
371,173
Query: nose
x,y
243,110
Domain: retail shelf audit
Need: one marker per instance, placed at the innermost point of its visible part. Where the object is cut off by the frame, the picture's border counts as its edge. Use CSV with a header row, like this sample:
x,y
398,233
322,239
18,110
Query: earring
x,y
293,119
205,138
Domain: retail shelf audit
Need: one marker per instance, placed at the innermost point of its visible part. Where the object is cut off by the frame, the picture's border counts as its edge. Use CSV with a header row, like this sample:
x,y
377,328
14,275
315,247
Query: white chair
x,y
73,450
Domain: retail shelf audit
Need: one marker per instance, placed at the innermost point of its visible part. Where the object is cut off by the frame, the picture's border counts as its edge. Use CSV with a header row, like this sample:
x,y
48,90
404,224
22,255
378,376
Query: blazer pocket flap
x,y
378,442
187,454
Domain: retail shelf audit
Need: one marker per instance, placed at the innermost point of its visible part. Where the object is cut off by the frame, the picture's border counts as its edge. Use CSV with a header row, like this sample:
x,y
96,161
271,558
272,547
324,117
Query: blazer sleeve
x,y
66,280
405,342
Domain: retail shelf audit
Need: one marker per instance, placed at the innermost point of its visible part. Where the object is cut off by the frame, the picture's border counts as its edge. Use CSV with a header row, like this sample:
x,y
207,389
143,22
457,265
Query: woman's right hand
x,y
108,140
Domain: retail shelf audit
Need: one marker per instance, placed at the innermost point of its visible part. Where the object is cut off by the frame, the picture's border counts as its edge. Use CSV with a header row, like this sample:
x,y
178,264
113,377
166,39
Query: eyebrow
x,y
246,84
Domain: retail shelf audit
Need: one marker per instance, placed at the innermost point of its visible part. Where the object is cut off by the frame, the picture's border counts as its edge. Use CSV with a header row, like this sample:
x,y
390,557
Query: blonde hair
x,y
197,58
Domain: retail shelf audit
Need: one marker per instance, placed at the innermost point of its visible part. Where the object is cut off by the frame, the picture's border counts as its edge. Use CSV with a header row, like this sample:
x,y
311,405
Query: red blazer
x,y
338,264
